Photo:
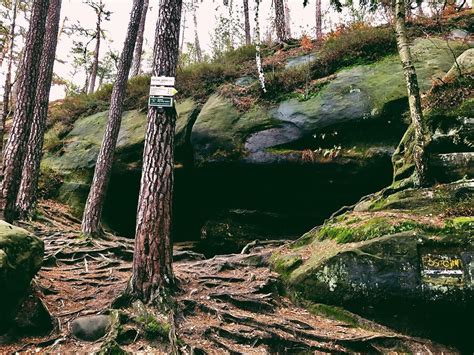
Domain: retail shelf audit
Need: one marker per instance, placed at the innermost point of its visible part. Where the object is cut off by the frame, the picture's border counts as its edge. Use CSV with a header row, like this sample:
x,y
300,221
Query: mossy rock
x,y
450,125
464,65
391,256
373,96
21,256
74,163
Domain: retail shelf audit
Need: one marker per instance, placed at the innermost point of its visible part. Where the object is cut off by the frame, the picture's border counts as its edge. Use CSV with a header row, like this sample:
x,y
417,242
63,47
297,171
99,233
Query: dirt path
x,y
228,304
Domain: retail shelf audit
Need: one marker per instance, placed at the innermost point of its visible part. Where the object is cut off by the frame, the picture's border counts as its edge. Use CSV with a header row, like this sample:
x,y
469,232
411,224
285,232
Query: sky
x,y
302,21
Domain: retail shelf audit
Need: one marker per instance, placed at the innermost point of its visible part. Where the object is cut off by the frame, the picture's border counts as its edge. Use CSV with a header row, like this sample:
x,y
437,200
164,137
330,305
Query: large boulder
x,y
334,147
21,256
359,109
449,119
76,161
406,259
464,65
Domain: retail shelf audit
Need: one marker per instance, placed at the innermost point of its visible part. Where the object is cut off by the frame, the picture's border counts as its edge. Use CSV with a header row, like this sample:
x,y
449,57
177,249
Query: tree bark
x,y
319,22
183,29
197,44
95,63
414,98
26,198
8,76
248,37
27,79
258,54
287,20
280,20
152,270
137,57
95,200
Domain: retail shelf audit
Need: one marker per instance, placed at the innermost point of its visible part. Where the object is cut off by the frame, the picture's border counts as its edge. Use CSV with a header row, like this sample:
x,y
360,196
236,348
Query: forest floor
x,y
227,304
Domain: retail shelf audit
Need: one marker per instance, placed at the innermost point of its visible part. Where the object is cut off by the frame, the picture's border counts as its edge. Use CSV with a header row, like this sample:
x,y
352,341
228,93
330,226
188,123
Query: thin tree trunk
x,y
86,84
230,6
414,99
95,63
8,77
319,22
4,51
280,20
258,54
152,271
95,200
137,57
197,44
248,37
26,198
287,20
27,78
183,29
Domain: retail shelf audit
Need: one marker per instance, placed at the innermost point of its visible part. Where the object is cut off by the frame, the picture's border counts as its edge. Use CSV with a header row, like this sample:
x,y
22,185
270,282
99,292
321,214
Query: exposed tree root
x,y
227,304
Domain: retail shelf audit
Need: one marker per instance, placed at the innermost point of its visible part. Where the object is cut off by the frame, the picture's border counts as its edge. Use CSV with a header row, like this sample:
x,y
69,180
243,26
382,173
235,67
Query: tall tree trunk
x,y
8,76
414,99
197,44
137,57
319,22
183,30
27,79
280,20
248,37
258,54
230,7
26,198
95,200
152,270
95,63
287,19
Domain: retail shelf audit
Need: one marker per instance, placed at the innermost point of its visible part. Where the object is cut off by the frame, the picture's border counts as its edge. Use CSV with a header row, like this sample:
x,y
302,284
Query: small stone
x,y
90,328
245,81
301,60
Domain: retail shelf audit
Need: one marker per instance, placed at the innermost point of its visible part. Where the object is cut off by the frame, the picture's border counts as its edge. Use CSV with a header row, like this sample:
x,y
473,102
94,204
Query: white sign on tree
x,y
162,81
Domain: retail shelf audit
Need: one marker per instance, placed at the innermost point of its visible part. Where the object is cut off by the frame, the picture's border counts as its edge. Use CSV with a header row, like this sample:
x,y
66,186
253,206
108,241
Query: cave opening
x,y
285,200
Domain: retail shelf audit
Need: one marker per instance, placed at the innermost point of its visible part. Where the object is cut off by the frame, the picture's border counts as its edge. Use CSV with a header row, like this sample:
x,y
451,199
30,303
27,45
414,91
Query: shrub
x,y
137,93
358,44
200,79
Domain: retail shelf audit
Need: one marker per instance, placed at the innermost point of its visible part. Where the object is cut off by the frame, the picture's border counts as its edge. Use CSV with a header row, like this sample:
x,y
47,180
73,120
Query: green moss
x,y
111,347
462,221
353,230
332,312
285,264
306,239
152,327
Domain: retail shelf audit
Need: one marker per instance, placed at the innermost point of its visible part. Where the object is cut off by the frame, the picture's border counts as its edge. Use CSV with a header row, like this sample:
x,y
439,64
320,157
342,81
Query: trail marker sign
x,y
162,91
162,81
160,101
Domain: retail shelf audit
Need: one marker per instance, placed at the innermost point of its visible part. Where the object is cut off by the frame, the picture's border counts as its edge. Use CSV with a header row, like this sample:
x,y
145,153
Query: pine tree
x,y
8,77
137,57
248,38
197,44
27,79
103,168
102,14
280,20
26,198
319,22
152,270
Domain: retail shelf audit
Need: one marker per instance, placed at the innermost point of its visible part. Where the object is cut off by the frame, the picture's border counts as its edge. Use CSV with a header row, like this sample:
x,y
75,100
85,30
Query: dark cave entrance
x,y
300,196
